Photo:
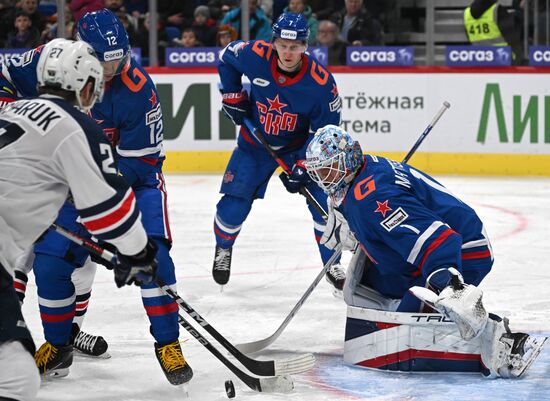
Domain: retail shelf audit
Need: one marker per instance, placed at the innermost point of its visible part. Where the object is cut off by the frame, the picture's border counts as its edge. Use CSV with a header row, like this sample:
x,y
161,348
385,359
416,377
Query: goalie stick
x,y
258,345
280,383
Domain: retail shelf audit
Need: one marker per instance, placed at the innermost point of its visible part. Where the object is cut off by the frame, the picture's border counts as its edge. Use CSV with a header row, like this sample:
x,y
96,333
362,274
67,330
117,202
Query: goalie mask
x,y
106,34
70,65
333,158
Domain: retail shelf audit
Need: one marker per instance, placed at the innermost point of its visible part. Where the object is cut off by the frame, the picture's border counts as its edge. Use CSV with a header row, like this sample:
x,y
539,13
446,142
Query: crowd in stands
x,y
204,23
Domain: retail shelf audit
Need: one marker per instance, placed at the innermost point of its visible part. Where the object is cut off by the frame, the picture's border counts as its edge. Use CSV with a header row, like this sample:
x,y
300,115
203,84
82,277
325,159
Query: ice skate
x,y
54,360
173,364
222,265
336,277
88,344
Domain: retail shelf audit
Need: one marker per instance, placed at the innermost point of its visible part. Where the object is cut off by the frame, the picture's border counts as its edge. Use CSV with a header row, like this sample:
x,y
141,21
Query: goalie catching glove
x,y
337,231
137,269
459,302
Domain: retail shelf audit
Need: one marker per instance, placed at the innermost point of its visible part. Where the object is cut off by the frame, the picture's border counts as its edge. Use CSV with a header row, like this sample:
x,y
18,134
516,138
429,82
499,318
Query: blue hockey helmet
x,y
291,26
333,158
105,33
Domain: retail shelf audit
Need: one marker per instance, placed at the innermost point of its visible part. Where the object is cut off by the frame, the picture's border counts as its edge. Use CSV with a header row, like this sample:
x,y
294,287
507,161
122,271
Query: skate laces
x,y
85,341
171,356
337,272
45,354
221,260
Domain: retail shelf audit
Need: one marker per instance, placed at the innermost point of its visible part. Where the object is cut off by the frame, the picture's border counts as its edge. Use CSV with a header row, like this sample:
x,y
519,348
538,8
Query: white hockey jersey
x,y
48,148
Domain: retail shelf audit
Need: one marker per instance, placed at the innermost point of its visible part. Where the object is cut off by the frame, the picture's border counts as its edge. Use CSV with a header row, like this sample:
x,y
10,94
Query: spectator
x,y
218,8
117,7
176,13
25,35
328,36
70,27
300,7
323,9
487,23
141,38
356,25
260,26
81,7
31,8
188,39
204,26
226,35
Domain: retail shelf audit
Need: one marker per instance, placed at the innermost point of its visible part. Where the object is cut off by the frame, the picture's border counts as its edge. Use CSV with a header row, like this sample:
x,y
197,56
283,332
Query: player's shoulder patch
x,y
336,104
394,219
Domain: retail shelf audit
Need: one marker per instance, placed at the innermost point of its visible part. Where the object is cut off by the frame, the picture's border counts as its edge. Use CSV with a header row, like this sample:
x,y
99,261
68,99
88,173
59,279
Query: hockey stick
x,y
443,109
260,368
303,190
256,346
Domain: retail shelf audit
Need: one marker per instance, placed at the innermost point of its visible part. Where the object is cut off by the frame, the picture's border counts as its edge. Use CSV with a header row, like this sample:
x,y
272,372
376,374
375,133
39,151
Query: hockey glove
x,y
297,178
102,261
137,269
462,303
337,231
236,106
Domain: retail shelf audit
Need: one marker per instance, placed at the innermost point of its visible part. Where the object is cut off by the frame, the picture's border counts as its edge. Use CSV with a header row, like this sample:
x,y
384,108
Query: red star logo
x,y
276,105
334,90
383,208
153,98
228,177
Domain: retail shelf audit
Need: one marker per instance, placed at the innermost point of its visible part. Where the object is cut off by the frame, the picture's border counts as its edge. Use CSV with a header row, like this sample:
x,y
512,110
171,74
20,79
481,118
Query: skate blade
x,y
81,354
221,289
55,374
185,389
537,346
337,293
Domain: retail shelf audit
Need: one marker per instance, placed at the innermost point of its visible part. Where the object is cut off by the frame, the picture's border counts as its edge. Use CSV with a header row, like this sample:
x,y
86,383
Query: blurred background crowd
x,y
335,24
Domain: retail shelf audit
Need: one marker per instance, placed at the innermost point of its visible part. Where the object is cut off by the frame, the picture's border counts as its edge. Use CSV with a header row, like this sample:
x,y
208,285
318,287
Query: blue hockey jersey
x,y
410,225
287,108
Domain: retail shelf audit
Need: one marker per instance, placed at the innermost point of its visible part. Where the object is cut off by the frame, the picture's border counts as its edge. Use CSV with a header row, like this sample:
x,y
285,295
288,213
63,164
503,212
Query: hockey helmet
x,y
106,34
70,65
333,158
291,26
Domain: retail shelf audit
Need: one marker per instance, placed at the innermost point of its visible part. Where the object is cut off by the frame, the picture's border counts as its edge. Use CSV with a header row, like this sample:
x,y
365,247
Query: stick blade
x,y
294,365
277,384
254,346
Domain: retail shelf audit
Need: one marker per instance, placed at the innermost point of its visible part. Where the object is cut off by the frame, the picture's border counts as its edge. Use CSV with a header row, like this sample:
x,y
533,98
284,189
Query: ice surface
x,y
274,261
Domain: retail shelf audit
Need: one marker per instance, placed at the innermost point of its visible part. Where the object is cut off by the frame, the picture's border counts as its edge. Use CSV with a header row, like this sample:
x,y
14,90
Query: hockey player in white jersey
x,y
48,149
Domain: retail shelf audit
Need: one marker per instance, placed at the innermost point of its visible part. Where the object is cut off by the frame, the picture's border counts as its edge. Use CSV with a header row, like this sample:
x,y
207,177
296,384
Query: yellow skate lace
x,y
46,353
171,356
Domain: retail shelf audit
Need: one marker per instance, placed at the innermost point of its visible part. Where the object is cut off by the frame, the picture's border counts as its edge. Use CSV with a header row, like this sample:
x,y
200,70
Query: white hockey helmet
x,y
70,65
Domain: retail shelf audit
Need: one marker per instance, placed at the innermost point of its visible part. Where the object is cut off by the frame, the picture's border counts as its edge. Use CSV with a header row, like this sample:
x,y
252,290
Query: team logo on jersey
x,y
260,82
228,177
274,118
383,208
394,219
336,104
334,90
153,115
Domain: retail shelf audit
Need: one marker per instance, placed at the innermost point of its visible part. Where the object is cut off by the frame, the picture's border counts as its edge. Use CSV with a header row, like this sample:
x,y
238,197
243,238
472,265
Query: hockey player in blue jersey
x,y
131,116
418,242
291,96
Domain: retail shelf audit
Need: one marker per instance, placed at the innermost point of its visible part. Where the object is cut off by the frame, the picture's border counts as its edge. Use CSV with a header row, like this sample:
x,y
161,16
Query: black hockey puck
x,y
229,389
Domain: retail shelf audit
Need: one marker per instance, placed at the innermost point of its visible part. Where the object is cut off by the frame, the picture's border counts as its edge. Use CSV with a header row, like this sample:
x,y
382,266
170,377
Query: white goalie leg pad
x,y
22,380
356,294
408,342
461,303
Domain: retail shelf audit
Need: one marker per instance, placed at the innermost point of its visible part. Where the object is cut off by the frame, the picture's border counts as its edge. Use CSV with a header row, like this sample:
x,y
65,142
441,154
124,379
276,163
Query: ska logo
x,y
273,117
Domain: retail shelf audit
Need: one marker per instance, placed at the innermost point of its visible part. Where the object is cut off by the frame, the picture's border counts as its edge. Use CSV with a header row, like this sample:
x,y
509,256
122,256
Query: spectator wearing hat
x,y
204,26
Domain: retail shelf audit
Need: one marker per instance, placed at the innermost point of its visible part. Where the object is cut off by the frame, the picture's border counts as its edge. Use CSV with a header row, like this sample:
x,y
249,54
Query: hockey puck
x,y
229,389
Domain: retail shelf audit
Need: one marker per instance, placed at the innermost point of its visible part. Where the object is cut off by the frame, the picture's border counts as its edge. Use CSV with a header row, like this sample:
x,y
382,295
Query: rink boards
x,y
498,123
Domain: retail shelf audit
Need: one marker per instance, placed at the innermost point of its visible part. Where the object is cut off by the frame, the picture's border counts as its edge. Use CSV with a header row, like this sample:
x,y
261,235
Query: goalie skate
x,y
525,350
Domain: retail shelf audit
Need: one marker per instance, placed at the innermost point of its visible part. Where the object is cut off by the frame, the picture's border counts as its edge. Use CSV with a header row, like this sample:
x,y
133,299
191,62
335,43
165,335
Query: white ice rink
x,y
274,260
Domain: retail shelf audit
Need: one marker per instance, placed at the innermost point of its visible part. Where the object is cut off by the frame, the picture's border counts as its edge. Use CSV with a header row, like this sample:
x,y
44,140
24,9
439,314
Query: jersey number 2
x,y
107,164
